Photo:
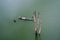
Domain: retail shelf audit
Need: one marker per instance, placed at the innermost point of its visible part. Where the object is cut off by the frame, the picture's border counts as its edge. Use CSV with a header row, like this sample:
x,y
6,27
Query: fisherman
x,y
37,32
36,28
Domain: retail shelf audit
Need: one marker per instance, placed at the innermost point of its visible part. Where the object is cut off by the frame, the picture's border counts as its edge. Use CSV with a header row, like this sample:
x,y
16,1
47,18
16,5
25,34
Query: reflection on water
x,y
23,30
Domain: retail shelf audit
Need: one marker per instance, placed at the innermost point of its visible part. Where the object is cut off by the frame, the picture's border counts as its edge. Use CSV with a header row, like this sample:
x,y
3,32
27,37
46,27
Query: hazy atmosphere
x,y
24,30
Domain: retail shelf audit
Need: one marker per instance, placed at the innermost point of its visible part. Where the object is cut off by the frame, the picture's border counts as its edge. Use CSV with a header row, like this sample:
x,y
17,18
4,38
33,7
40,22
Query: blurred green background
x,y
24,30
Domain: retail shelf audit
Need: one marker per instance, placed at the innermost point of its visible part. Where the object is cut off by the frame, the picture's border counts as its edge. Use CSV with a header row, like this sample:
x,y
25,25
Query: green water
x,y
24,30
